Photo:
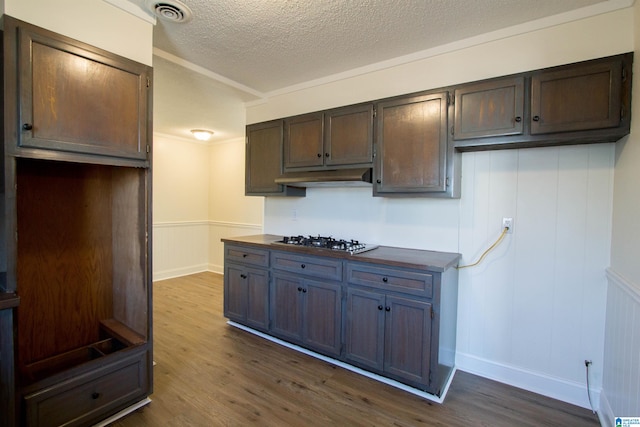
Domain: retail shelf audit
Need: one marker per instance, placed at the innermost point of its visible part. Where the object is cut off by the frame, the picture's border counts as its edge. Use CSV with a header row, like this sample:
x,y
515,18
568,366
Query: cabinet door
x,y
303,141
77,98
263,158
493,108
348,136
286,307
235,292
364,332
580,97
258,299
322,316
407,339
412,145
246,295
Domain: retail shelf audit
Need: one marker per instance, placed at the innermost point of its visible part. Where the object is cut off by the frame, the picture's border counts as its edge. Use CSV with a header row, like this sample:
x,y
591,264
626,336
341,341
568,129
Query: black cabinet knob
x,y
326,154
244,255
380,307
27,126
387,308
244,276
95,395
299,288
319,155
303,266
518,119
304,291
378,181
385,279
536,118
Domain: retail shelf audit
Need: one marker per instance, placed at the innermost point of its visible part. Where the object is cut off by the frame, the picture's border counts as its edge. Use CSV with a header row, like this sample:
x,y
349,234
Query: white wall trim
x,y
172,224
631,289
546,385
605,414
179,272
257,227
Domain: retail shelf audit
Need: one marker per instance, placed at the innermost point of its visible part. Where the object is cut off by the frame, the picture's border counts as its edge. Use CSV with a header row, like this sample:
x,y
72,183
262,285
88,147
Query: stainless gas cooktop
x,y
321,242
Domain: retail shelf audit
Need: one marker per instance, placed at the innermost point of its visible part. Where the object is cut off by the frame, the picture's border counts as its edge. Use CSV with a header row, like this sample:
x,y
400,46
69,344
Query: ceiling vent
x,y
170,10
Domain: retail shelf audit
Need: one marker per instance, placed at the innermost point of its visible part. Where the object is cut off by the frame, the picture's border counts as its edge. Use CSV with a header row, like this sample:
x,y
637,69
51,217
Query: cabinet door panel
x,y
349,136
365,328
258,299
235,292
493,108
576,98
412,139
79,99
303,141
408,339
322,315
286,307
263,158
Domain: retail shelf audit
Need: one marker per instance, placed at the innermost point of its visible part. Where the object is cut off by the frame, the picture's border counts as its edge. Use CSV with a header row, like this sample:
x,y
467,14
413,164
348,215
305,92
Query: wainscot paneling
x,y
534,310
219,230
187,247
620,395
180,248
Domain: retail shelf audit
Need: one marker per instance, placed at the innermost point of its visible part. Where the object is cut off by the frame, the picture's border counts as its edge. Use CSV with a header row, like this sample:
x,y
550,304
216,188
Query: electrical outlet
x,y
508,223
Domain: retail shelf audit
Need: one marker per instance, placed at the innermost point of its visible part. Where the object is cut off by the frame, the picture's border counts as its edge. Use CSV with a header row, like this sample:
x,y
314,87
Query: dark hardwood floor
x,y
211,374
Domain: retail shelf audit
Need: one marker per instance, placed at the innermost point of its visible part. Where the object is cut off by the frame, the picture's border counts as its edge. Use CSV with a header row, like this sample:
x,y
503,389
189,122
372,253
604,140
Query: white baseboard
x,y
178,272
376,377
214,268
546,385
605,413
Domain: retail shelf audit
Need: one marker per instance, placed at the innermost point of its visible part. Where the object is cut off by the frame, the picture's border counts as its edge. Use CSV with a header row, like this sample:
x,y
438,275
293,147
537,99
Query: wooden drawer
x,y
90,397
310,266
408,282
247,255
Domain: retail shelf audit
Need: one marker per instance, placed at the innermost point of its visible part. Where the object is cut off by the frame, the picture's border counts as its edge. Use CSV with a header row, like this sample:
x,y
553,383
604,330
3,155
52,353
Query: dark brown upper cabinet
x,y
579,103
491,108
75,98
332,139
576,98
348,136
263,159
411,140
303,142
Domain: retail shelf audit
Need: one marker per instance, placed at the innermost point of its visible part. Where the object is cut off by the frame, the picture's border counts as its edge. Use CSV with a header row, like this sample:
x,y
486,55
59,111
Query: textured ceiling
x,y
268,45
254,48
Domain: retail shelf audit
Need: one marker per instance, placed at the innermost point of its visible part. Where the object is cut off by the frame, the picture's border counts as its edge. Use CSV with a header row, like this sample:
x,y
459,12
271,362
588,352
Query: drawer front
x,y
89,397
408,282
310,266
247,255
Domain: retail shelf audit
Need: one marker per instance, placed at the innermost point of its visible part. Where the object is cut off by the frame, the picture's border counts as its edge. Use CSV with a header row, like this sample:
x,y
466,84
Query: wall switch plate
x,y
507,223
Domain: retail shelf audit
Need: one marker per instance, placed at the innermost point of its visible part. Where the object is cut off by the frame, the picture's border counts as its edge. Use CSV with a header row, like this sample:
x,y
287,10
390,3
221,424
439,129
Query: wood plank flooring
x,y
211,374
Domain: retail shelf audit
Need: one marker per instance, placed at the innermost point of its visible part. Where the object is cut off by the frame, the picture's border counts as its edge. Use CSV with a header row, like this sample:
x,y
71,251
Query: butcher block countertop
x,y
384,255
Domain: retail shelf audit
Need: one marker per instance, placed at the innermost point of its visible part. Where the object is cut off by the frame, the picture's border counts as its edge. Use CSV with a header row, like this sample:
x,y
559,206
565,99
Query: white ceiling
x,y
259,47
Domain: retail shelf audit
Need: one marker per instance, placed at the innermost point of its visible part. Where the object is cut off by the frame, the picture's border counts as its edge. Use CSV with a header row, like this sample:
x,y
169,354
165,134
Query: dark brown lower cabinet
x,y
390,311
307,312
389,334
83,399
246,295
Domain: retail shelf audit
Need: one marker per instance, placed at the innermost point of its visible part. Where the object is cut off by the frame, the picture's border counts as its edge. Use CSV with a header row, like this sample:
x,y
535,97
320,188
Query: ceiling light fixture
x,y
202,134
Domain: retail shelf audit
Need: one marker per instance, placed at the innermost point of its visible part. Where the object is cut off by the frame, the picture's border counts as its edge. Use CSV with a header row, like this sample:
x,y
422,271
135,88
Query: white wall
x,y
534,311
91,21
231,212
621,377
180,206
198,198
